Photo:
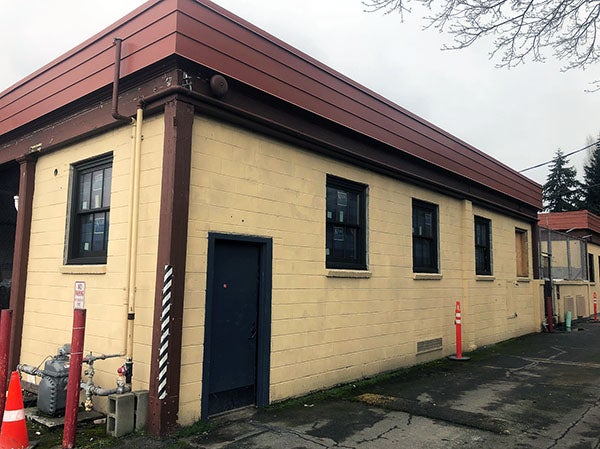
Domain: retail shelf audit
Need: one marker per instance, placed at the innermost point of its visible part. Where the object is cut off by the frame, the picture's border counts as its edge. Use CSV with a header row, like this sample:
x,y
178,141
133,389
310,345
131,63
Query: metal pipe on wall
x,y
132,238
134,185
115,93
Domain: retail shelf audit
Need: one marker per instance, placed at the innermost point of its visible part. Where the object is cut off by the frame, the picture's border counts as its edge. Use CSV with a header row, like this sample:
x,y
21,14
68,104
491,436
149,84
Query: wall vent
x,y
429,345
569,305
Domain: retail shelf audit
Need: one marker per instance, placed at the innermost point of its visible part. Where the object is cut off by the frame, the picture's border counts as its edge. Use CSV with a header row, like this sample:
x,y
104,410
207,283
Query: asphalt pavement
x,y
536,391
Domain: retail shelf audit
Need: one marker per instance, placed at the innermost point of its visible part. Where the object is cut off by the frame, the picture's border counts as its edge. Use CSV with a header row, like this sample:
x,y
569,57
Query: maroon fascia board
x,y
149,35
564,221
211,36
308,84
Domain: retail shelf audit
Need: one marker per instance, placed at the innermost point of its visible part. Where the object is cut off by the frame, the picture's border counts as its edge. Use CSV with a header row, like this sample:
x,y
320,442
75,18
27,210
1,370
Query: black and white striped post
x,y
163,354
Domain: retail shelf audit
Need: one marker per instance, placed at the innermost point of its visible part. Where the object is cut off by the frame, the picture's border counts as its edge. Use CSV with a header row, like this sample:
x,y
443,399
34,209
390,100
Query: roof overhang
x,y
211,37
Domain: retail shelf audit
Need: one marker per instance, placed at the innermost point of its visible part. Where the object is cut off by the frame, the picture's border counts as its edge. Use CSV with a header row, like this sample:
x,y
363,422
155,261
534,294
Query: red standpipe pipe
x,y
74,383
5,328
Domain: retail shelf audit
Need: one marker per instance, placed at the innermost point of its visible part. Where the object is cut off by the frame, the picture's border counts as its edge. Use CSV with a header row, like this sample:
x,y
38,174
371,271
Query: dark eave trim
x,y
256,110
87,117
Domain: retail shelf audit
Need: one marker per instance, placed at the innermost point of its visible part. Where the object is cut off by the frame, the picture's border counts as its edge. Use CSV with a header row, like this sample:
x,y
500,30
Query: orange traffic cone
x,y
13,434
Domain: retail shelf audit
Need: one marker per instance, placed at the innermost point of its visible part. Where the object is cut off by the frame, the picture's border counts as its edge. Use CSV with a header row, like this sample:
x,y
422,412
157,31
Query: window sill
x,y
520,279
427,276
83,269
485,278
350,274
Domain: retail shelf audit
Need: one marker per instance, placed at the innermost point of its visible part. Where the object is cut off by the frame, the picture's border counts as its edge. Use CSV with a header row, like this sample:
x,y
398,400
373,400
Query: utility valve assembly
x,y
52,389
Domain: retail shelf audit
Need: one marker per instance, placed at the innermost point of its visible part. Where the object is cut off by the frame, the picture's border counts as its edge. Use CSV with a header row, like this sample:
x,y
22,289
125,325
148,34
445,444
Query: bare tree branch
x,y
523,29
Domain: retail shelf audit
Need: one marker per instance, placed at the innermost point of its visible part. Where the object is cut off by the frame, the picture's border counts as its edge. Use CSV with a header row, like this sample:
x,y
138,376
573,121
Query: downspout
x,y
132,231
115,93
553,304
132,237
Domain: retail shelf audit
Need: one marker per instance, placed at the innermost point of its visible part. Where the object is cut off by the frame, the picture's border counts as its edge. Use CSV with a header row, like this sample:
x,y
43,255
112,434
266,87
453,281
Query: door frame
x,y
263,347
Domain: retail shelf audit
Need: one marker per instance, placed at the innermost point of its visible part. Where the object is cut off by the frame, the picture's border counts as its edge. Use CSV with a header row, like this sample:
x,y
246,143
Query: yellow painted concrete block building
x,y
245,232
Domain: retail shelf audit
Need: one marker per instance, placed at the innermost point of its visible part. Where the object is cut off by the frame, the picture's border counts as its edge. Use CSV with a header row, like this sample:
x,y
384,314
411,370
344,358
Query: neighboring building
x,y
570,250
317,232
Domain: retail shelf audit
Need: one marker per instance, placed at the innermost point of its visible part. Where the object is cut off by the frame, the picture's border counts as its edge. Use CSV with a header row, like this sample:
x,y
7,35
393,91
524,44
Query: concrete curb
x,y
462,417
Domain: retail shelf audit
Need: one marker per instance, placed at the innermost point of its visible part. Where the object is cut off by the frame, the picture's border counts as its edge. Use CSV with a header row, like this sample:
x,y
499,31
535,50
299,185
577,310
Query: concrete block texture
x,y
141,409
120,417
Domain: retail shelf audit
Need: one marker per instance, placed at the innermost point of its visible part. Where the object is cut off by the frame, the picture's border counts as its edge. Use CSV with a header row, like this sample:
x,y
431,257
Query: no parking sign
x,y
79,297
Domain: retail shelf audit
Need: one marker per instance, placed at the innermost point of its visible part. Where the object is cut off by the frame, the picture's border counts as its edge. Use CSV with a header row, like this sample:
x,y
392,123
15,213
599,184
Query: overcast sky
x,y
519,116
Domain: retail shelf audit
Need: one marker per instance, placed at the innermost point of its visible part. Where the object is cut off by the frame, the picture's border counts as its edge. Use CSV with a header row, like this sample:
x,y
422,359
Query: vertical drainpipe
x,y
115,93
467,255
132,235
551,280
134,185
535,260
569,258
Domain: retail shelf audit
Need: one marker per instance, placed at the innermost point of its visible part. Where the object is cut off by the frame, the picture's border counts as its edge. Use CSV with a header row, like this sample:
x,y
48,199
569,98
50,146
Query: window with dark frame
x,y
346,217
483,246
591,268
90,211
425,237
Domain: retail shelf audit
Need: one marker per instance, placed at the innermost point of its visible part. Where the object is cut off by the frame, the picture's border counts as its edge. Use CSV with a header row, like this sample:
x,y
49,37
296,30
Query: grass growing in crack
x,y
200,427
88,436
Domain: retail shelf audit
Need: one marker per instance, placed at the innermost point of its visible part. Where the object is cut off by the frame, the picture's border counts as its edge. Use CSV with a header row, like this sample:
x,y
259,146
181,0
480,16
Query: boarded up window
x,y
522,256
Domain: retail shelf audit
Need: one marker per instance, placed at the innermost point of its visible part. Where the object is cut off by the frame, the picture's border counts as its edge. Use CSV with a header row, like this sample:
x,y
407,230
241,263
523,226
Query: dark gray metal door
x,y
233,325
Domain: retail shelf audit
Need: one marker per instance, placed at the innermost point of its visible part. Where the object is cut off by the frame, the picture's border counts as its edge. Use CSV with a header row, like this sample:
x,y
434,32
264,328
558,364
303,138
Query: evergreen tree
x,y
591,181
561,190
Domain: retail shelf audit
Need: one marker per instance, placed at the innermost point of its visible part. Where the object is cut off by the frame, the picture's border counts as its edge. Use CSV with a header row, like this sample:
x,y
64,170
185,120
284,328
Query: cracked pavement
x,y
539,391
